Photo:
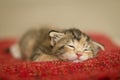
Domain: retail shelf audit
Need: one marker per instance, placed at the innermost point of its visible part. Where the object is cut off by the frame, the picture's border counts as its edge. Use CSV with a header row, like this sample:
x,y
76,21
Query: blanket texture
x,y
106,66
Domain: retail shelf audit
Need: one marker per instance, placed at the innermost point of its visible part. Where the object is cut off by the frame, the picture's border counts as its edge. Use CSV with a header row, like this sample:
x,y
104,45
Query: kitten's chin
x,y
76,60
81,59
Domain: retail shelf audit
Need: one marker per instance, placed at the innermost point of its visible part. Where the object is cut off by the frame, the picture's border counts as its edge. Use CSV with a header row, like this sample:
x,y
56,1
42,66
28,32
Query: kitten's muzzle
x,y
78,55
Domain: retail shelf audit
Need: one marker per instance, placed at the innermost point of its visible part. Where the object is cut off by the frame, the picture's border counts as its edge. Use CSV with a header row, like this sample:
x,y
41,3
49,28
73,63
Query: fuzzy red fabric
x,y
106,66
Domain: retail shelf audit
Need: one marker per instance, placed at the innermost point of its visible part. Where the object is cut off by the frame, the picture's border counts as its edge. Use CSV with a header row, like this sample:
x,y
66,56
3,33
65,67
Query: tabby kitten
x,y
48,44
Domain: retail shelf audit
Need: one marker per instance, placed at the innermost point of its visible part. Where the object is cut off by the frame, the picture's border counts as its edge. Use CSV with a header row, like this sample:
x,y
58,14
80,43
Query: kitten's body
x,y
47,44
36,44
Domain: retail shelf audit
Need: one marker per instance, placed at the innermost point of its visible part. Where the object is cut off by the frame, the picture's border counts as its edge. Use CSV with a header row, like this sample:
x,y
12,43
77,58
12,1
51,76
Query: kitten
x,y
48,44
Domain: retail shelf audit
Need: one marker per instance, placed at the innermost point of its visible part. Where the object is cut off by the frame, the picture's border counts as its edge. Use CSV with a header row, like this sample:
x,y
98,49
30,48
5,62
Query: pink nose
x,y
78,54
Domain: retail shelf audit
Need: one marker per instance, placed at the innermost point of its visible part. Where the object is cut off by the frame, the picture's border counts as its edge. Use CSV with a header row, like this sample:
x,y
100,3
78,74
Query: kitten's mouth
x,y
62,58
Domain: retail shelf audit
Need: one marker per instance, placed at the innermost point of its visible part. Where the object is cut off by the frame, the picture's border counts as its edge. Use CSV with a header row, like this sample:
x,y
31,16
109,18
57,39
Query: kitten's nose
x,y
78,54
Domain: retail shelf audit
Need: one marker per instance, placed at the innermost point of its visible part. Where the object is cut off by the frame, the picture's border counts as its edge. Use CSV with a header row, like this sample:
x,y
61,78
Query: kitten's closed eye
x,y
71,46
85,49
61,47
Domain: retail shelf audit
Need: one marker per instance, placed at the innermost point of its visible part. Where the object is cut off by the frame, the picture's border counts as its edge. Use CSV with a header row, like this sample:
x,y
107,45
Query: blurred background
x,y
17,16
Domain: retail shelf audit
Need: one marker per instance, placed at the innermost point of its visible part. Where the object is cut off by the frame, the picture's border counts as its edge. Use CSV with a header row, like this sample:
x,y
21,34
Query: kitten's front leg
x,y
40,56
45,57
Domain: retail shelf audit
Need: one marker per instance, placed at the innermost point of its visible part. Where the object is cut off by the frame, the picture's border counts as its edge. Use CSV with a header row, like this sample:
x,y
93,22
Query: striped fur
x,y
47,44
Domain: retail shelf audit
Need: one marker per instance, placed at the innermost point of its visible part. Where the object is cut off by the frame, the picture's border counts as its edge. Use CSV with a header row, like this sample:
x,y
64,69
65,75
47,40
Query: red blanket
x,y
104,67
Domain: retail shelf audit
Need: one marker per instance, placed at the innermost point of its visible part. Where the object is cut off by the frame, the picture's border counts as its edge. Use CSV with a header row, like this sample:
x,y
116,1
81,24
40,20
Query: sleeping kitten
x,y
48,44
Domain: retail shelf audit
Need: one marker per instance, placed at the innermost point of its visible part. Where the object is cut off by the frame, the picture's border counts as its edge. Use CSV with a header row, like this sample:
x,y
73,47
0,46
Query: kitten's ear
x,y
98,46
55,37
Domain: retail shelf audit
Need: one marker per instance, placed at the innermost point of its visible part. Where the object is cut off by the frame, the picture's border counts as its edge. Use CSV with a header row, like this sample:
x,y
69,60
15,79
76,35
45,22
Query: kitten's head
x,y
73,45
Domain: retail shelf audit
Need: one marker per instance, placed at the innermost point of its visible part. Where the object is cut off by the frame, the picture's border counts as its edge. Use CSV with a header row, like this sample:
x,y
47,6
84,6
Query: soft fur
x,y
47,44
